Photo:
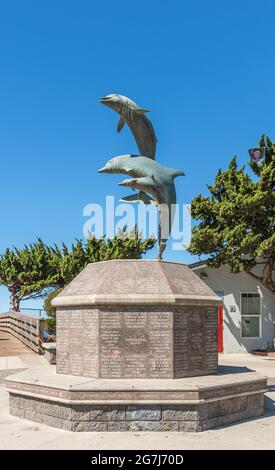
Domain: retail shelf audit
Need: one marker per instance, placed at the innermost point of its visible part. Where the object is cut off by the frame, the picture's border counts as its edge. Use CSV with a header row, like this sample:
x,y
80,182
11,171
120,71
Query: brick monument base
x,y
150,327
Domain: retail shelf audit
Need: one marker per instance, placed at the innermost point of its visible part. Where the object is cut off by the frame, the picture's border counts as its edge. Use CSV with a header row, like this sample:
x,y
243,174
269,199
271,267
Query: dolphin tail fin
x,y
140,198
120,124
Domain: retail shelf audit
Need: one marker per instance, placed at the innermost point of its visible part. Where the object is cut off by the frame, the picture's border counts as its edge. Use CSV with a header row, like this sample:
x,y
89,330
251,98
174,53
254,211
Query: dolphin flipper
x,y
141,198
120,124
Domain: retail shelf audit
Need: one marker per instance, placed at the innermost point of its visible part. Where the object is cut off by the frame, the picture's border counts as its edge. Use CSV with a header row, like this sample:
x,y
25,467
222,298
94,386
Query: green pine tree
x,y
27,272
236,222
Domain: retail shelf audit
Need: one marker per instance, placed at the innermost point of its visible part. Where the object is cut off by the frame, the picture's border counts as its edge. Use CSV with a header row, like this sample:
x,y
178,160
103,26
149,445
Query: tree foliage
x,y
37,269
48,307
125,245
236,222
26,272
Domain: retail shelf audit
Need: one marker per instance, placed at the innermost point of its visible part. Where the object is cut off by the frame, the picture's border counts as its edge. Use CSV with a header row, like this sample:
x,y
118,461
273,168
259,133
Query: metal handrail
x,y
40,310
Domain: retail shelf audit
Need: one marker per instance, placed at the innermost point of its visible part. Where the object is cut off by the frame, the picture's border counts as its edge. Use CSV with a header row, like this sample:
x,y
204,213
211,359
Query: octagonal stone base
x,y
137,341
137,319
75,404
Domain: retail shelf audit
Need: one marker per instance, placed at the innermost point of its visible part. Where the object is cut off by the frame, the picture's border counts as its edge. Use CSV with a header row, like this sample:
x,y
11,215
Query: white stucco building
x,y
247,320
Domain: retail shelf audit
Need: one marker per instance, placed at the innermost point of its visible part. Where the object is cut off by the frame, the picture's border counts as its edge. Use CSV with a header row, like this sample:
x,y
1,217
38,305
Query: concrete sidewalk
x,y
16,433
260,364
14,355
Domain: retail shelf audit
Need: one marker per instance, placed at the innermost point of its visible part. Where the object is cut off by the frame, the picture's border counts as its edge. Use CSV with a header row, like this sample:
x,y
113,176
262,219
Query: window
x,y
251,314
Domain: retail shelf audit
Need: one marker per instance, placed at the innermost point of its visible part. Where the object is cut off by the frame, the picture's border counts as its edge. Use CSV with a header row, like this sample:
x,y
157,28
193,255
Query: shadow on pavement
x,y
234,369
269,404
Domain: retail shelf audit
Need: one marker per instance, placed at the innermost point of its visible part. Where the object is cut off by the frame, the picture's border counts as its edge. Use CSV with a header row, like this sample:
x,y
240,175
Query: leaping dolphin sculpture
x,y
141,128
134,116
150,177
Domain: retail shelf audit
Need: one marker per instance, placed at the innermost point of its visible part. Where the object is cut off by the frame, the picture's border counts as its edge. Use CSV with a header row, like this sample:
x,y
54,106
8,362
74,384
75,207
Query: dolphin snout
x,y
125,183
104,169
105,99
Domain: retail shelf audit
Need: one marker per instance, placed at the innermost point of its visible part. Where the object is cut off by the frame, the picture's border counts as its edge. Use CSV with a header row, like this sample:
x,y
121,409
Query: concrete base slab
x,y
77,404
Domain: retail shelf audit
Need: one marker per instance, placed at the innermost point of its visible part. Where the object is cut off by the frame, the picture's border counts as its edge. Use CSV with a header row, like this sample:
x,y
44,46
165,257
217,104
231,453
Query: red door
x,y
220,329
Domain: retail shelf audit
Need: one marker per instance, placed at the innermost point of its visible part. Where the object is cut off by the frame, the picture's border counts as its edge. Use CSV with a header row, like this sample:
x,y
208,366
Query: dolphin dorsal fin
x,y
120,124
175,172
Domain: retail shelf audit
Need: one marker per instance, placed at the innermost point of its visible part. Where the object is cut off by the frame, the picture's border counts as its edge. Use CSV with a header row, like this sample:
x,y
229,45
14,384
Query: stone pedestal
x,y
150,327
50,352
137,319
189,404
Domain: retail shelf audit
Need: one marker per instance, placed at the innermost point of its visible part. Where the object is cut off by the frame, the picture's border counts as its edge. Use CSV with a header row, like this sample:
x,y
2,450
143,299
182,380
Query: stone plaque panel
x,y
137,341
77,342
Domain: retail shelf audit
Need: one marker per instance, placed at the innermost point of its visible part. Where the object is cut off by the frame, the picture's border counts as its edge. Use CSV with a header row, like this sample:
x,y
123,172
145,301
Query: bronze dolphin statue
x,y
150,177
134,116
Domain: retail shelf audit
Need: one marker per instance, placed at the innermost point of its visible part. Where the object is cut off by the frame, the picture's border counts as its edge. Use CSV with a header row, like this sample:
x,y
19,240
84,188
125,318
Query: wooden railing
x,y
28,330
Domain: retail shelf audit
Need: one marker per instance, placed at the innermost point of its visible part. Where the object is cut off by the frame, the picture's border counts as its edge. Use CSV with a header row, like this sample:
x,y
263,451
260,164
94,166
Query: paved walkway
x,y
14,355
262,365
259,433
11,346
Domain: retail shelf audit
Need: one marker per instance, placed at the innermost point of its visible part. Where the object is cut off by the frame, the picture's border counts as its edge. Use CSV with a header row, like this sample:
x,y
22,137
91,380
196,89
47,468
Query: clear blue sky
x,y
205,69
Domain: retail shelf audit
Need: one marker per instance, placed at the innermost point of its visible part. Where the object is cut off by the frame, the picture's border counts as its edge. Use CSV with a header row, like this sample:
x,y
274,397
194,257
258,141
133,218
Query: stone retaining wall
x,y
164,417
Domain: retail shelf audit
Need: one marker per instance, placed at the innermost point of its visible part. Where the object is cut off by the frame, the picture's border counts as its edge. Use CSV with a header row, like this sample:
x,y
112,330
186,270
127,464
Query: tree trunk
x,y
266,277
267,274
14,300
